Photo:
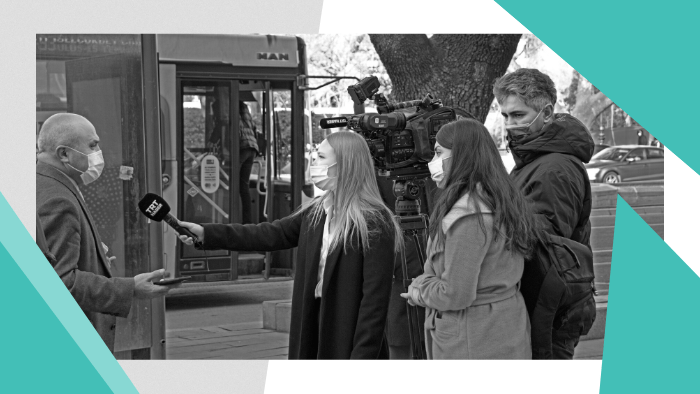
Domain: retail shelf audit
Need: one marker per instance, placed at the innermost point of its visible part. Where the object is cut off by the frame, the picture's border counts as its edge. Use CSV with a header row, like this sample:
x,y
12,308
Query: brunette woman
x,y
480,231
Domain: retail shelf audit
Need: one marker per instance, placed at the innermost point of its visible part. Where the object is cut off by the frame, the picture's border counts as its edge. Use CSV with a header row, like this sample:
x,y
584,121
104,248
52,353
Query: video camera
x,y
401,143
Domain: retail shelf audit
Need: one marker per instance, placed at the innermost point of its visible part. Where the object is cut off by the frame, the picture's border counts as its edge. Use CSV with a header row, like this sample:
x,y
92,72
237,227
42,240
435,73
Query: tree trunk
x,y
459,69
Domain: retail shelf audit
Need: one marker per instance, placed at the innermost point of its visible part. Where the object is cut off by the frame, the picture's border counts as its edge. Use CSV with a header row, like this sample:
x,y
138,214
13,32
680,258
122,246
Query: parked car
x,y
599,148
626,163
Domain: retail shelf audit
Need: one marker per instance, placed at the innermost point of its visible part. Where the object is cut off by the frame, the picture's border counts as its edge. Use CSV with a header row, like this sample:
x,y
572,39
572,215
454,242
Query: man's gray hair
x,y
58,130
531,86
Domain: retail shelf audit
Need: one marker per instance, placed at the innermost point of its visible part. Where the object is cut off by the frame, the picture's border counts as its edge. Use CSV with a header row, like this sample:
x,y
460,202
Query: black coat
x,y
356,285
549,171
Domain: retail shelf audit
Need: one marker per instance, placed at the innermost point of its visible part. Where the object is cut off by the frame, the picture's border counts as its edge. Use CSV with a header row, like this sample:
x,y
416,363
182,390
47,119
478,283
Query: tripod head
x,y
407,193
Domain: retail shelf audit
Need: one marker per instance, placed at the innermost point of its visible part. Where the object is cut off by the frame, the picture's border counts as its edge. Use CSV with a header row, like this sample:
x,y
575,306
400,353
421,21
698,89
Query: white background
x,y
17,179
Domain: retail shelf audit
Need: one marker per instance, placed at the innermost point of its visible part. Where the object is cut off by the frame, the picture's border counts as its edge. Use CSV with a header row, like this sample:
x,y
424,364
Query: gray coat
x,y
80,261
474,309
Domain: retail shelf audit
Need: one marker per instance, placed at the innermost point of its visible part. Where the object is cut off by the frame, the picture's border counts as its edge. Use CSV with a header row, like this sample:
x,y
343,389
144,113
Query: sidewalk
x,y
244,341
249,341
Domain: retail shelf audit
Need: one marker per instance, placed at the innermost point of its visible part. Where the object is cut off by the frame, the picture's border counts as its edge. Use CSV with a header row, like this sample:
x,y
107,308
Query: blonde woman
x,y
346,240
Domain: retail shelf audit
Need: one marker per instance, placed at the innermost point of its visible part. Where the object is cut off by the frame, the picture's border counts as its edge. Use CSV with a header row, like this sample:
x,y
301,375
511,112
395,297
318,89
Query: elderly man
x,y
549,150
69,154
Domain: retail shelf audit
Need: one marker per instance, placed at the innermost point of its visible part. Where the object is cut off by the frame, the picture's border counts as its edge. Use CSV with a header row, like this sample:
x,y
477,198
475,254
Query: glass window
x,y
615,154
655,153
282,128
100,77
637,155
206,158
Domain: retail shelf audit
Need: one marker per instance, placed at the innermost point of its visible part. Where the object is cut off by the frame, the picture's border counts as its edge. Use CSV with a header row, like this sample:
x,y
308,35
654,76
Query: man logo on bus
x,y
272,56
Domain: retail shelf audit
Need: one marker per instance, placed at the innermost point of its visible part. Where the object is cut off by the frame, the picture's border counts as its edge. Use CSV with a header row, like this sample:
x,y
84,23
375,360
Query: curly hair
x,y
533,87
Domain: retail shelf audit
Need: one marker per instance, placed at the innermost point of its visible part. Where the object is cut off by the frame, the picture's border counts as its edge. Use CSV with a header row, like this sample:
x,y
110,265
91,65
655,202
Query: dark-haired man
x,y
549,150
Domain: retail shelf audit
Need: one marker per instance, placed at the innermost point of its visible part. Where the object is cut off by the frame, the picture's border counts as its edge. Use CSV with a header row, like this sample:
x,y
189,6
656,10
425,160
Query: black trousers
x,y
563,348
246,158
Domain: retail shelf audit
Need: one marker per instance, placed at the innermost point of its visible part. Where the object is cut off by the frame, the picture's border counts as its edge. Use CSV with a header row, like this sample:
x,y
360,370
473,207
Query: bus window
x,y
283,133
206,159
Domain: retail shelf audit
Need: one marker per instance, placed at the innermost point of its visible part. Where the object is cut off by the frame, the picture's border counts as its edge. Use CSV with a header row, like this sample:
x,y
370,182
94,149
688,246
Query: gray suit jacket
x,y
81,262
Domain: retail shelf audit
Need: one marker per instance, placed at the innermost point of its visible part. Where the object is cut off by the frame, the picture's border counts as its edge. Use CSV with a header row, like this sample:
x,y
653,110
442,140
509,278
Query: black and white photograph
x,y
334,196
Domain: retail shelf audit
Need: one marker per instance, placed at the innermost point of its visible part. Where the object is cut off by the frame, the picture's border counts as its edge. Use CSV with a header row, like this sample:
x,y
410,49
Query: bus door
x,y
208,171
232,134
269,182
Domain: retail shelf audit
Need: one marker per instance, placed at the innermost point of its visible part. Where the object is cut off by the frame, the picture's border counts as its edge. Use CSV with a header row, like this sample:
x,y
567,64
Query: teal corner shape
x,y
642,55
48,343
651,341
39,354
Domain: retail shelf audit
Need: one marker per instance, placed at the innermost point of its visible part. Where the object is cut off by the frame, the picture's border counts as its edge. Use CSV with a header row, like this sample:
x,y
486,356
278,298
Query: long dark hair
x,y
476,161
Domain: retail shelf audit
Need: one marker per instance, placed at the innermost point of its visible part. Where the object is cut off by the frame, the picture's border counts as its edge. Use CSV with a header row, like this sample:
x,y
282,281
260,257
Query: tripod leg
x,y
417,351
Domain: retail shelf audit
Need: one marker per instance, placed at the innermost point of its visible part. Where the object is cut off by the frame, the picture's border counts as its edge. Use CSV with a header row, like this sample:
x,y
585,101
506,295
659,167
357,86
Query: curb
x,y
221,286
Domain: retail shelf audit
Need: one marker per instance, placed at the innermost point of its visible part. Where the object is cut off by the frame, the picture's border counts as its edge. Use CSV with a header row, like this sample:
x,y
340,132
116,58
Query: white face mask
x,y
319,175
437,169
95,165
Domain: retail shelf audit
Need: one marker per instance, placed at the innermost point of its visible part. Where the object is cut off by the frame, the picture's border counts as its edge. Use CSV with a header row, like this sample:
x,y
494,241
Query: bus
x,y
167,110
203,81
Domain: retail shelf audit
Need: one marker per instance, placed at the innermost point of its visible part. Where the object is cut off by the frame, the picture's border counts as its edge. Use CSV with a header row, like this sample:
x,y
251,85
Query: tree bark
x,y
459,69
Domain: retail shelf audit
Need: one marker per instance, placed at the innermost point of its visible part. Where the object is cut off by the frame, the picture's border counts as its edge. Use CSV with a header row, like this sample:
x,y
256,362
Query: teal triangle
x,y
639,54
651,341
39,354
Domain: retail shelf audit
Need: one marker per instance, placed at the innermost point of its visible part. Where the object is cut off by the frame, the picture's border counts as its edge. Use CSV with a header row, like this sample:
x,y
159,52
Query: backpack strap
x,y
552,292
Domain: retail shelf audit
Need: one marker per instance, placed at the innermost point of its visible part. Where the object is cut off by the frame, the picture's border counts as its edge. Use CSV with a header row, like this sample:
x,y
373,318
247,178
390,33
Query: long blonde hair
x,y
358,207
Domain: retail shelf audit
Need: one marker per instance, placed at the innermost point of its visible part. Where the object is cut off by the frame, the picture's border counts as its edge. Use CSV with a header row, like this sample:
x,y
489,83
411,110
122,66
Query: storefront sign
x,y
85,45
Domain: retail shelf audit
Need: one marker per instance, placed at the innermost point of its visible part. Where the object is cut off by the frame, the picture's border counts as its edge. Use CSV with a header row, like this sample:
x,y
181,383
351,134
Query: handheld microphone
x,y
328,123
156,208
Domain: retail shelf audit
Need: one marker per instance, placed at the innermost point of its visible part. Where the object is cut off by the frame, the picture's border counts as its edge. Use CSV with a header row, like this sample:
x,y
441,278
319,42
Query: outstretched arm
x,y
280,234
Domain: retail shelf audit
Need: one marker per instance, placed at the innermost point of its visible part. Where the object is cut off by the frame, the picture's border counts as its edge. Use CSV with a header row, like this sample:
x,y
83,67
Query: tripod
x,y
413,224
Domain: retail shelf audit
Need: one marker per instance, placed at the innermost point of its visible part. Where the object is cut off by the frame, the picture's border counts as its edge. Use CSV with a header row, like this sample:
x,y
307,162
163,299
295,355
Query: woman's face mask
x,y
94,169
319,175
436,167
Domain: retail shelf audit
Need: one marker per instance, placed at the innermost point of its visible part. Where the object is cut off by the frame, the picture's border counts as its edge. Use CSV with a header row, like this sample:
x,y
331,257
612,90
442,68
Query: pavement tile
x,y
589,350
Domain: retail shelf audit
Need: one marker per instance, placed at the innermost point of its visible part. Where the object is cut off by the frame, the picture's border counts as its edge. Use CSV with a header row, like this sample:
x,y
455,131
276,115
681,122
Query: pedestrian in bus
x,y
480,231
346,240
248,151
70,154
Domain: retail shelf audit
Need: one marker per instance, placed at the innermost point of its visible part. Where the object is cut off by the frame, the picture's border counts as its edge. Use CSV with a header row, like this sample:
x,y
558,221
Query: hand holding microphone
x,y
195,229
156,208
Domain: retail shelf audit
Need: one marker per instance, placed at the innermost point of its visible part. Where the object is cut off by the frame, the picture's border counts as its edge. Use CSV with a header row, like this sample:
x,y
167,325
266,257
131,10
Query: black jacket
x,y
549,170
356,285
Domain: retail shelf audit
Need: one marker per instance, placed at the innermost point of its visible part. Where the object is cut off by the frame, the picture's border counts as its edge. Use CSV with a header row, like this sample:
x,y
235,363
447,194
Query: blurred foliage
x,y
350,55
194,128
